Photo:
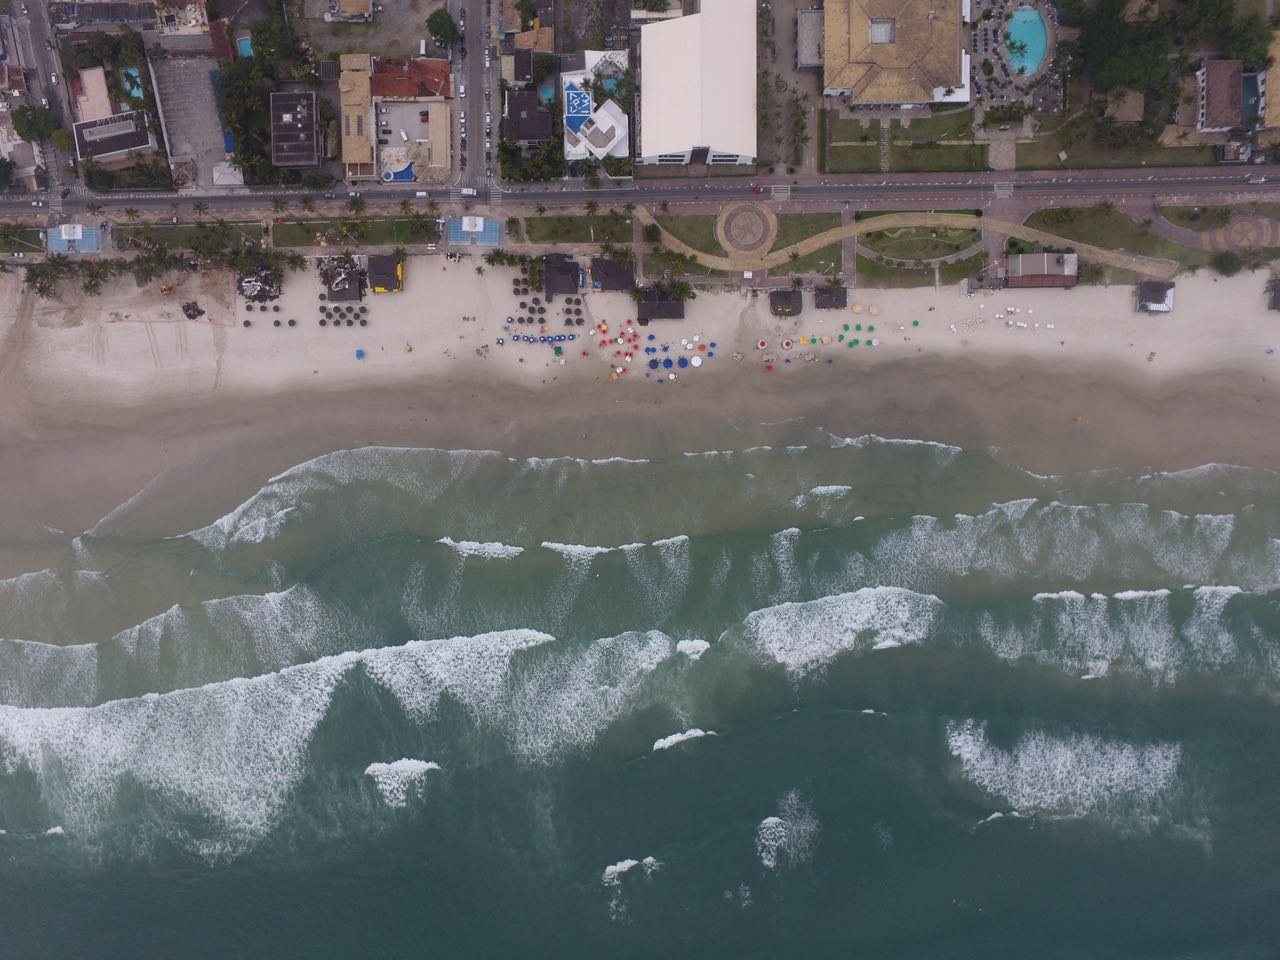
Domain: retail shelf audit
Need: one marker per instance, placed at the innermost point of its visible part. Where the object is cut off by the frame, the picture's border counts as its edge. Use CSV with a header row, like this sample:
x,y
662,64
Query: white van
x,y
462,91
404,136
468,191
422,48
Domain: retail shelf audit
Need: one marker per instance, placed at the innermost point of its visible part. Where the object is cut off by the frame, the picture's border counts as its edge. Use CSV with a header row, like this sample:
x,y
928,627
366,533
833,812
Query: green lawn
x,y
843,129
861,159
907,159
21,239
947,126
824,260
697,232
920,243
1106,227
1209,218
961,269
794,227
180,236
874,274
1042,154
602,228
655,264
372,231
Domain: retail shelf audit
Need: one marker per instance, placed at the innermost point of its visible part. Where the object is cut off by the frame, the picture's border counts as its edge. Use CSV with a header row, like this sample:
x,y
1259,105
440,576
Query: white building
x,y
591,129
698,85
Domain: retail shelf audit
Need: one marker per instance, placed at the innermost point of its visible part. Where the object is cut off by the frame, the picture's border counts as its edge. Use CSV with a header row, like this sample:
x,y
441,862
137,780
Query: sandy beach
x,y
126,389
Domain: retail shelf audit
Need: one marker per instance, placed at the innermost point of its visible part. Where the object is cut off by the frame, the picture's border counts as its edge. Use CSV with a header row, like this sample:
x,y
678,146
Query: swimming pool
x,y
245,46
402,175
131,80
1027,28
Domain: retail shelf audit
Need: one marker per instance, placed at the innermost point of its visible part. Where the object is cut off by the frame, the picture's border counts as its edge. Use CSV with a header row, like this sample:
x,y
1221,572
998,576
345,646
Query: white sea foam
x,y
233,752
1077,543
944,451
602,461
695,733
472,548
46,675
788,838
1133,631
804,637
693,649
1066,776
398,779
54,832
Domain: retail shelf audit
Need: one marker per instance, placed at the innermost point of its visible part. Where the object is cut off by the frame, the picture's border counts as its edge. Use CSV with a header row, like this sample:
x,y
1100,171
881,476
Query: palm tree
x,y
433,208
400,253
480,271
295,261
308,205
279,204
629,207
94,209
406,207
131,213
592,208
663,206
357,205
200,207
541,208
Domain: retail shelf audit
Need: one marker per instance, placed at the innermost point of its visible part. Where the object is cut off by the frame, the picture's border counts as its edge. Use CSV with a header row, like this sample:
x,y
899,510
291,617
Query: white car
x,y
462,91
44,101
37,203
19,255
488,118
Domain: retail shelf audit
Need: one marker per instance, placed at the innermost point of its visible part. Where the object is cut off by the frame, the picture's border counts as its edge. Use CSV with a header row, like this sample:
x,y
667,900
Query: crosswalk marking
x,y
782,192
1004,189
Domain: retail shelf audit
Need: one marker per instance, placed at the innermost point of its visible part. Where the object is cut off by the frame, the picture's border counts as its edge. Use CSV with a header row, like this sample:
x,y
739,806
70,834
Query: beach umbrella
x,y
275,307
874,310
682,362
350,322
248,307
857,308
695,361
324,322
364,322
359,354
667,363
275,323
292,322
247,323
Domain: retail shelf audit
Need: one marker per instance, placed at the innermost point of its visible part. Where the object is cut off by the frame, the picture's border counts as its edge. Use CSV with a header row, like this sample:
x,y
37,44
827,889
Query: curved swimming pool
x,y
1027,28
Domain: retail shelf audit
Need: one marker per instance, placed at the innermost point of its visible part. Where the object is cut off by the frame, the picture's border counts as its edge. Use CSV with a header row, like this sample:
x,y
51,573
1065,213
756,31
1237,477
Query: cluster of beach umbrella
x,y
347,314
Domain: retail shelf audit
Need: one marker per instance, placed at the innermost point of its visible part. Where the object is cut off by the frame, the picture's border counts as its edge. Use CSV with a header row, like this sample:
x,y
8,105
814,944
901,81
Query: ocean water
x,y
855,697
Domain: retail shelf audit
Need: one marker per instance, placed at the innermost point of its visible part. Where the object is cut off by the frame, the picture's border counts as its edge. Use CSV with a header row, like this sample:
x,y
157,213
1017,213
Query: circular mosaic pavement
x,y
747,228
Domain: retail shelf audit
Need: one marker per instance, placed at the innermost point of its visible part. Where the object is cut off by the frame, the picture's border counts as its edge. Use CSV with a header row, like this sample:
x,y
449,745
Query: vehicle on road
x,y
1257,180
468,191
462,91
18,254
25,11
757,189
44,101
383,141
37,203
66,192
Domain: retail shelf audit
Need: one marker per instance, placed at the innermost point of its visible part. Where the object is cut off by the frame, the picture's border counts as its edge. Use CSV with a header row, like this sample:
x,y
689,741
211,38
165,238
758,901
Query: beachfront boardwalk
x,y
757,256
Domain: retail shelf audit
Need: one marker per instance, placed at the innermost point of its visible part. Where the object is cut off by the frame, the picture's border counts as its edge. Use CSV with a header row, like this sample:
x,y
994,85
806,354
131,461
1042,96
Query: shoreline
x,y
70,456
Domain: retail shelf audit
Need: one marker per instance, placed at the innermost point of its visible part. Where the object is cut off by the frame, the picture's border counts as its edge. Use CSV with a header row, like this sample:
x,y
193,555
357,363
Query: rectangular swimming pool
x,y
245,46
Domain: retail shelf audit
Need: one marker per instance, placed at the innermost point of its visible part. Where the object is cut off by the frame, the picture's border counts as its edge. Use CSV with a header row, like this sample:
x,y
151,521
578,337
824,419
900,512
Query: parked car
x,y
18,255
44,101
424,116
383,141
24,10
488,118
37,203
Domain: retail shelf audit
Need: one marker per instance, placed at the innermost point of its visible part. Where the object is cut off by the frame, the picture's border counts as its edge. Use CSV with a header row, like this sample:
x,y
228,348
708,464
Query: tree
x,y
279,204
357,205
1227,263
131,213
480,271
308,205
400,253
541,208
1117,52
652,233
592,208
6,173
63,141
200,207
629,207
406,206
34,123
1248,41
433,208
442,26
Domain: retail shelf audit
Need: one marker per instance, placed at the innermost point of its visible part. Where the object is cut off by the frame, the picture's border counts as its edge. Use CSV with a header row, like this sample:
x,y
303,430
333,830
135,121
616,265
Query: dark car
x,y
382,143
66,192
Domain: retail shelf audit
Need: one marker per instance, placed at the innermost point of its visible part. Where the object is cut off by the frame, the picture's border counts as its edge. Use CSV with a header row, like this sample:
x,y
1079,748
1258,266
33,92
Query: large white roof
x,y
698,81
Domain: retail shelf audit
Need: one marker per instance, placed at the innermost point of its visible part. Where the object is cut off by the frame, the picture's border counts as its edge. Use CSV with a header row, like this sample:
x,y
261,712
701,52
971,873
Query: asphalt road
x,y
919,191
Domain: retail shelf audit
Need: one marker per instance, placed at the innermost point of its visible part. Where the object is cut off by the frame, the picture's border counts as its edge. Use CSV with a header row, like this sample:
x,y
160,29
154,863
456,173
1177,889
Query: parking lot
x,y
191,113
396,30
425,144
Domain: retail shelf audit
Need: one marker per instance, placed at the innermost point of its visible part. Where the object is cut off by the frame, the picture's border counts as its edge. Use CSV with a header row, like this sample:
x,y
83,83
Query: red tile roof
x,y
417,77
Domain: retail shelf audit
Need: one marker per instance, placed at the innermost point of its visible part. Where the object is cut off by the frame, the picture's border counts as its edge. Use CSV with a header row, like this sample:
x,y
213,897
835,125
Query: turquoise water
x,y
852,697
132,82
1027,26
245,46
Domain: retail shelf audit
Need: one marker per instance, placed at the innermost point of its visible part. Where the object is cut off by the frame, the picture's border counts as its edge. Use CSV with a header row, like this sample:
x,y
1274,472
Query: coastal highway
x,y
919,191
